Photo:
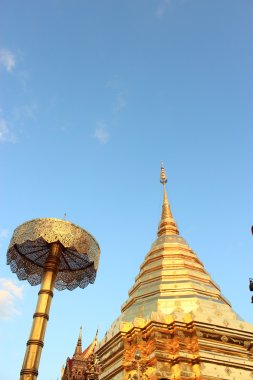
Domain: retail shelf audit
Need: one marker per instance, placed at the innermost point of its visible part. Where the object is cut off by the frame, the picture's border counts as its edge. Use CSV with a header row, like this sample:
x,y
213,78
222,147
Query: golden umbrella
x,y
58,254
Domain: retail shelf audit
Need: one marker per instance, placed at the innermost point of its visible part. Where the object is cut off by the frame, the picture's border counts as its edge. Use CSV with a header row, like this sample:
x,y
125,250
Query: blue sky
x,y
93,95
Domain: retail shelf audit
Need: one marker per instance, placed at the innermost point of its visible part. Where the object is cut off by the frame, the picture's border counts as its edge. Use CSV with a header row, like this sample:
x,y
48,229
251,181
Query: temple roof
x,y
82,362
79,354
91,348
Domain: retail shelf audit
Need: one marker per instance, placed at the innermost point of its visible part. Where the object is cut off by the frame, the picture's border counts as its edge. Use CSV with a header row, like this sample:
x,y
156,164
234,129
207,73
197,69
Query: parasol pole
x,y
35,342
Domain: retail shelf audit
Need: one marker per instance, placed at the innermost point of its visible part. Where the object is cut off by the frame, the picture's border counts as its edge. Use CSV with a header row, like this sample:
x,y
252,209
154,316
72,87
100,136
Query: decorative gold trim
x,y
37,342
42,315
29,372
49,292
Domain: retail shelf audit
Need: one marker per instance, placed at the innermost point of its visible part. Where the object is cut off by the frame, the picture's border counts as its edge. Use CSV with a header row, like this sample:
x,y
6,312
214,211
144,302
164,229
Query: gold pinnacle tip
x,y
163,178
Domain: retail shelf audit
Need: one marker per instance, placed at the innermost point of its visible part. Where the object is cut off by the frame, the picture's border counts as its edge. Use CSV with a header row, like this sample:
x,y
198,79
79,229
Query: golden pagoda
x,y
176,324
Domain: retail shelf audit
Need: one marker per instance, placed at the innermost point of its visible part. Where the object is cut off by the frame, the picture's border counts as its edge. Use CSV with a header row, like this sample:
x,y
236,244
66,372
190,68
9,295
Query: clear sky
x,y
93,95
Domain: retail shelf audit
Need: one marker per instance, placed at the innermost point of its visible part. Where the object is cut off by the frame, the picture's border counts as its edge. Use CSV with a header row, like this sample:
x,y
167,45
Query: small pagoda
x,y
84,365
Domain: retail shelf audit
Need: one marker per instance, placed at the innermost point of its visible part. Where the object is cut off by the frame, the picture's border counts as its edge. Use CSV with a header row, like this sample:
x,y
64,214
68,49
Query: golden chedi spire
x,y
175,324
170,275
167,224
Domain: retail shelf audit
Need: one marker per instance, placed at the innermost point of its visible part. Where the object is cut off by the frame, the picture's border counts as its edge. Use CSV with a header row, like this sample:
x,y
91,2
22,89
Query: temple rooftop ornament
x,y
83,365
167,224
58,254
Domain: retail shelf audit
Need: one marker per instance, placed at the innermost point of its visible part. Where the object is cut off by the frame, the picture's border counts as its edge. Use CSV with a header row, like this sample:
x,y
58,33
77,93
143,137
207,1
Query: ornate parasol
x,y
55,253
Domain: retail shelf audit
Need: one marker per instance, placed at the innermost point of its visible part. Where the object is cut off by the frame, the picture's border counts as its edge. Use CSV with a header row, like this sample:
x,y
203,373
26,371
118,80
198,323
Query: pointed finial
x,y
64,216
96,339
163,178
78,349
167,224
